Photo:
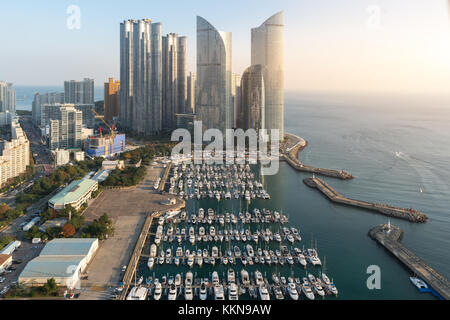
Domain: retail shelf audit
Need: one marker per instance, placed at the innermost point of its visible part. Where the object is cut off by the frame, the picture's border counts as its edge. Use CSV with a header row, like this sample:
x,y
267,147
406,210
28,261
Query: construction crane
x,y
112,132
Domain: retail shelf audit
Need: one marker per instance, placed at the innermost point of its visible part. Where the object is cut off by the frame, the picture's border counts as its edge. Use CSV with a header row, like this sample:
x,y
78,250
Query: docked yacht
x,y
258,278
203,292
153,249
244,277
219,292
138,293
292,291
278,293
188,293
237,252
264,293
158,291
306,289
151,263
215,279
233,294
231,276
316,285
172,292
250,251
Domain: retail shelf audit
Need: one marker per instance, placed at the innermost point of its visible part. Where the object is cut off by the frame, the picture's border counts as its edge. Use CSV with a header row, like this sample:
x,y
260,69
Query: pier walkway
x,y
137,252
390,236
162,184
387,210
294,146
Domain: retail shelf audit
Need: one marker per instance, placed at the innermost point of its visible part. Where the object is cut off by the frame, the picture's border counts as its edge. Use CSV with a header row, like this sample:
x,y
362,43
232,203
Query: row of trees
x,y
128,177
100,228
8,214
147,153
75,222
62,175
5,240
49,289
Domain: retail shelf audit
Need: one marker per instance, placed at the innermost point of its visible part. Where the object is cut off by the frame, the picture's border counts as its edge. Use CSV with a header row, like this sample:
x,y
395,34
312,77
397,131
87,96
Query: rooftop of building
x,y
101,175
68,247
73,192
4,258
51,267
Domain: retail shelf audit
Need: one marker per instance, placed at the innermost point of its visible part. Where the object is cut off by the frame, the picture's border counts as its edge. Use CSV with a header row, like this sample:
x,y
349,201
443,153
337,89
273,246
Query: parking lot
x,y
128,209
21,256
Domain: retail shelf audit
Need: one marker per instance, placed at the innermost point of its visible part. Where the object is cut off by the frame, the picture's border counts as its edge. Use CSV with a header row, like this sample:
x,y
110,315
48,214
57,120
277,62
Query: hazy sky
x,y
331,45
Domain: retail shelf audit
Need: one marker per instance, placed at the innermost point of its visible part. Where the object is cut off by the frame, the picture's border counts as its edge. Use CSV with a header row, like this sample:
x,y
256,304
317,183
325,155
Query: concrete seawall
x,y
390,237
387,210
291,157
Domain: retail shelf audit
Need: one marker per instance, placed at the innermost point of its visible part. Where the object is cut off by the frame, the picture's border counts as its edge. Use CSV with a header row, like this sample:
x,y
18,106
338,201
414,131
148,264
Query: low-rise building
x,y
5,262
63,260
10,248
52,224
75,194
113,165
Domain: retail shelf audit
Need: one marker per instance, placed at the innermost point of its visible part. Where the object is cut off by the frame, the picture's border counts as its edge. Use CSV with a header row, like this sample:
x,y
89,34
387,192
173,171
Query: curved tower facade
x,y
251,114
213,101
268,51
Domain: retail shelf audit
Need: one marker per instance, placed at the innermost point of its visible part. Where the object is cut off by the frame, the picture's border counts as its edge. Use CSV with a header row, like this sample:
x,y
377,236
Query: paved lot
x,y
127,209
25,254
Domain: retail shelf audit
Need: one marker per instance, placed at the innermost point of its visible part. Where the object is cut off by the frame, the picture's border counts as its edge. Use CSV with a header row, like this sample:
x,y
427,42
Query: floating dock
x,y
387,210
390,236
291,157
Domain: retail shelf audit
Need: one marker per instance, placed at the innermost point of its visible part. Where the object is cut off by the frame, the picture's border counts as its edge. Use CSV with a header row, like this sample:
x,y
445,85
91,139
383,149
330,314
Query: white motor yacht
x,y
158,291
233,293
172,292
264,293
218,292
292,291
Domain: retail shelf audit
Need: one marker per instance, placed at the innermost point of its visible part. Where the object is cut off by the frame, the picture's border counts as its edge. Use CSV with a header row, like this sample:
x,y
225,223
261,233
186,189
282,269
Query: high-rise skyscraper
x,y
79,92
251,111
174,77
112,99
191,91
65,132
41,99
141,76
7,97
268,51
235,93
214,105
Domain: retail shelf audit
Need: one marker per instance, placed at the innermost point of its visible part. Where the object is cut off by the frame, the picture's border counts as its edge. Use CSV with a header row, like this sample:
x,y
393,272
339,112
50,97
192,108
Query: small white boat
x,y
218,292
233,294
151,263
188,293
244,277
203,292
264,293
138,293
158,291
292,291
172,292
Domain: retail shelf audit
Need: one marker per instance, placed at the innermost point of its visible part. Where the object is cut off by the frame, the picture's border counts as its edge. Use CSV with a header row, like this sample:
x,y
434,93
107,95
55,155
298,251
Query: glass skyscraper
x,y
268,51
214,105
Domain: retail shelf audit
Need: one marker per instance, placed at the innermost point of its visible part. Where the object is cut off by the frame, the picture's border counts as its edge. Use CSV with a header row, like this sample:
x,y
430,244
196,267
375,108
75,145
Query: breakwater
x,y
294,145
385,209
389,236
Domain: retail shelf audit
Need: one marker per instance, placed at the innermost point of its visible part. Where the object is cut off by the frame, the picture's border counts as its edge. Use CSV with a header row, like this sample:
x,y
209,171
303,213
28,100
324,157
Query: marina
x,y
252,256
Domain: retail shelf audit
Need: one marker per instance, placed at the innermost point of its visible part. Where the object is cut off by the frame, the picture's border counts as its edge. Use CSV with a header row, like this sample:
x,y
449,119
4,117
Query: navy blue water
x,y
394,147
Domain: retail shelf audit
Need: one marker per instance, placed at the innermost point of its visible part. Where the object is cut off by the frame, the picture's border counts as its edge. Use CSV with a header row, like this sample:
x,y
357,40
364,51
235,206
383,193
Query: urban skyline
x,y
367,54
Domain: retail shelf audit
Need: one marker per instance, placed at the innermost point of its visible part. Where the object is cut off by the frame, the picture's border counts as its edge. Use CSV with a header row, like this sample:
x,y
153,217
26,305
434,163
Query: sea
x,y
398,149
